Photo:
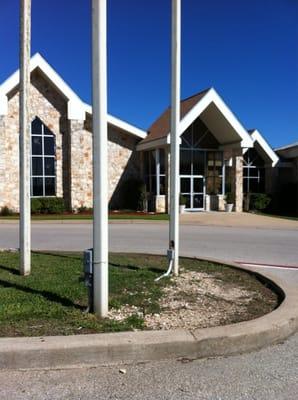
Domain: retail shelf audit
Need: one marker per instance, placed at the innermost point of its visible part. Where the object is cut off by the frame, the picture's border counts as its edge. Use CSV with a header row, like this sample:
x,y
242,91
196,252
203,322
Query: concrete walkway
x,y
243,220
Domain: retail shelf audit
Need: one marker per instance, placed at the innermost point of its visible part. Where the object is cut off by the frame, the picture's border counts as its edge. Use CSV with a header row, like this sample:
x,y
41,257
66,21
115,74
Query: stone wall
x,y
73,150
238,183
123,163
234,176
80,151
51,109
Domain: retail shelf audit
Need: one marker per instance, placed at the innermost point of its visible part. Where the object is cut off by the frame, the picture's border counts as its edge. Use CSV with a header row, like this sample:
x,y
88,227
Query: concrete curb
x,y
98,349
293,226
85,221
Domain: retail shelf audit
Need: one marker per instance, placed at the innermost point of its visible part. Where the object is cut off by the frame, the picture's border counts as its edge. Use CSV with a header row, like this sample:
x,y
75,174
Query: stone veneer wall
x,y
238,183
51,109
234,175
123,163
2,162
73,150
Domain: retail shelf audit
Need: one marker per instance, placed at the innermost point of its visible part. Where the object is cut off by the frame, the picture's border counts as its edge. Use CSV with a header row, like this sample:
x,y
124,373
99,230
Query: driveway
x,y
228,241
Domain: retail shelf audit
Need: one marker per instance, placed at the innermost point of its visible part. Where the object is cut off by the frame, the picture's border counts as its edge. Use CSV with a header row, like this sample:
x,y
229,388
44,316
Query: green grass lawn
x,y
52,300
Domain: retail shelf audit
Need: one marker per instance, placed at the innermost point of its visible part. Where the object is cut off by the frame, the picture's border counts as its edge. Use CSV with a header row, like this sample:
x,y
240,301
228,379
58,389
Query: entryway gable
x,y
219,119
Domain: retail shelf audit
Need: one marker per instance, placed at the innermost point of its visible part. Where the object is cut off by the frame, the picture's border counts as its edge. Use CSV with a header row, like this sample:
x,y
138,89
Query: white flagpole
x,y
24,124
175,119
100,157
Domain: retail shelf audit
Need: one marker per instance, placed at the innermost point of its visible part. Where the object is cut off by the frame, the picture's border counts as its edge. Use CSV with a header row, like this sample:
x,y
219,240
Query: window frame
x,y
42,156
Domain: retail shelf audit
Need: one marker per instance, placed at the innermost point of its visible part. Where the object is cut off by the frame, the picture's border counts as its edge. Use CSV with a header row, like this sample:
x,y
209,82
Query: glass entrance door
x,y
192,187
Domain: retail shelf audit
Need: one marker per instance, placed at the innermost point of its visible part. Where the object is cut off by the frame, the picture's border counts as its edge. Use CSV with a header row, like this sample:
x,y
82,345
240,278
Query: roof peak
x,y
197,94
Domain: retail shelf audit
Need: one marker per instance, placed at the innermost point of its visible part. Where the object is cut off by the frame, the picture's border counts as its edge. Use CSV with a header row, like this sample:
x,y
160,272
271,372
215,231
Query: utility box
x,y
88,261
88,276
171,254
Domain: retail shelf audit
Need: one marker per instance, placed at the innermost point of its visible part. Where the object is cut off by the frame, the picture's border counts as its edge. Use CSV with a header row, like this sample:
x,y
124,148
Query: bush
x,y
35,206
182,200
47,205
259,201
6,211
229,198
84,209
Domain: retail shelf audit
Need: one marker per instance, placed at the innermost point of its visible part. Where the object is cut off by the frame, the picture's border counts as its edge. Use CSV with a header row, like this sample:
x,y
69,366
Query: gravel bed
x,y
193,300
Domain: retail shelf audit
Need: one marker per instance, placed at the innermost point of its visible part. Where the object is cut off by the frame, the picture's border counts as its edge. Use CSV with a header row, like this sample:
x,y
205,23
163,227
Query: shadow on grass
x,y
58,254
44,293
136,267
11,270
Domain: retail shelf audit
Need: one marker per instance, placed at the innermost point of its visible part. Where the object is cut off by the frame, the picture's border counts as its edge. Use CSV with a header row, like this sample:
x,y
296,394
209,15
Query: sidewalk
x,y
237,220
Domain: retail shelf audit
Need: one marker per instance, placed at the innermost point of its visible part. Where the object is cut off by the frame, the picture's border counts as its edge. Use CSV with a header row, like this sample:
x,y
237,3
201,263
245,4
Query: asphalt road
x,y
267,374
256,245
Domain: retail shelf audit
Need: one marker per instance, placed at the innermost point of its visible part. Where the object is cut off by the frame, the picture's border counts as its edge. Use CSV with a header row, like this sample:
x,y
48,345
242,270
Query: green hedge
x,y
47,205
6,211
259,201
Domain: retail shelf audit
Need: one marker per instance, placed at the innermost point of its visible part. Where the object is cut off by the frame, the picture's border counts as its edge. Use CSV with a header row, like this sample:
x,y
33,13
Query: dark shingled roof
x,y
161,127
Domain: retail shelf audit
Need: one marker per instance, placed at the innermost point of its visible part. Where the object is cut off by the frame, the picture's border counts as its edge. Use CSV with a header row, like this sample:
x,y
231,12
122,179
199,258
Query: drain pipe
x,y
170,256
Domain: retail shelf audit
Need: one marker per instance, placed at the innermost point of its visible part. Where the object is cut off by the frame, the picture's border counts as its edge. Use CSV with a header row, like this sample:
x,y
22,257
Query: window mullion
x,y
157,171
43,161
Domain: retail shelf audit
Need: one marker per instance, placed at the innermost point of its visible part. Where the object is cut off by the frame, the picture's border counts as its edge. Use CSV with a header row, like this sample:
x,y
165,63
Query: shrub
x,y
47,205
182,200
229,198
35,206
259,201
84,209
5,211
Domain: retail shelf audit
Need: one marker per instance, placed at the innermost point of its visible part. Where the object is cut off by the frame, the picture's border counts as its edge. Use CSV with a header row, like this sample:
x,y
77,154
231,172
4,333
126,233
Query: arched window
x,y
43,154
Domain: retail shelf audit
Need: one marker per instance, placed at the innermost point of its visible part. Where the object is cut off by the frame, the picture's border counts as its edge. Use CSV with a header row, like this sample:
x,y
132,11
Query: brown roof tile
x,y
161,127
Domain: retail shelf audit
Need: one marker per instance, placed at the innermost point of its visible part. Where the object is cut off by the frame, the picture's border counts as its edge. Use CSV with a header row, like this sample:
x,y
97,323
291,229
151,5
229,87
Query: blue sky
x,y
247,50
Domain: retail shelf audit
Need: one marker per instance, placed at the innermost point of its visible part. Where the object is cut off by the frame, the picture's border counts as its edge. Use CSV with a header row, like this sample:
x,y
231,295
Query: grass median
x,y
52,300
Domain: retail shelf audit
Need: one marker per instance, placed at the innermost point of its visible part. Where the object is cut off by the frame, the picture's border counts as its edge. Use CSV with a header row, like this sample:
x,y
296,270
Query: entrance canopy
x,y
211,109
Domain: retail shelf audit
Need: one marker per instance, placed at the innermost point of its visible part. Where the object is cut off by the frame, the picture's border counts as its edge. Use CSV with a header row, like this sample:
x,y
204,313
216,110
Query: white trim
x,y
76,108
118,123
75,104
152,144
257,137
212,97
3,104
287,147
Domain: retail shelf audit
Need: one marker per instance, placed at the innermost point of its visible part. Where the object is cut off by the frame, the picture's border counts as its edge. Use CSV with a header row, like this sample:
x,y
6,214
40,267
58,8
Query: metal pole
x,y
175,119
100,157
24,143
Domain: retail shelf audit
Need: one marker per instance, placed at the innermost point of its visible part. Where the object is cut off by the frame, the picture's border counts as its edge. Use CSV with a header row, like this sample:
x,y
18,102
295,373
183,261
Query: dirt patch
x,y
199,300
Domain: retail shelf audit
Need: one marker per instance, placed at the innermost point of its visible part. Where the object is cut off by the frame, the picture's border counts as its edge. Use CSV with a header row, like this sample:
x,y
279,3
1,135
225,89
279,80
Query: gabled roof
x,y
288,146
264,148
216,115
288,151
76,108
161,127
